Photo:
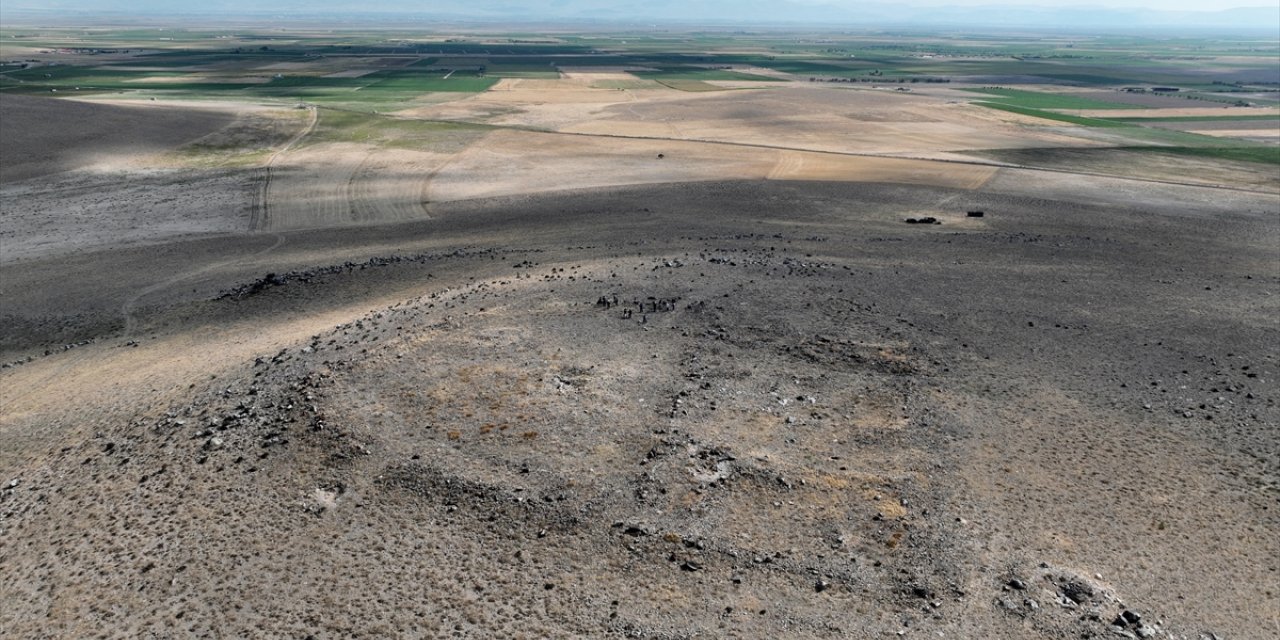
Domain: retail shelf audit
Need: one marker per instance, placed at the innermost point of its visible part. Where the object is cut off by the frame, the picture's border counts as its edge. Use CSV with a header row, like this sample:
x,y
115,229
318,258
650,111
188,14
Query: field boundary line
x,y
854,154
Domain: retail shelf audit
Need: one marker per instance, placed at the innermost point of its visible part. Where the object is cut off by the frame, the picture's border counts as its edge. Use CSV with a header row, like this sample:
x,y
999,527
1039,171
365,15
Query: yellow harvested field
x,y
529,91
746,84
599,74
833,132
796,116
517,162
509,163
1238,133
800,165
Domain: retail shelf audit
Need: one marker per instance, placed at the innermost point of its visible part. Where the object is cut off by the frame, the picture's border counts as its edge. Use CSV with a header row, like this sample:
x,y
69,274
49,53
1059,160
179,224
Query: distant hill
x,y
711,12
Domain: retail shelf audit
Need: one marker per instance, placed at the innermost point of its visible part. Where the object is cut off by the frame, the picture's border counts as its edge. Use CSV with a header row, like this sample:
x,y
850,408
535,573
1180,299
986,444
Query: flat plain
x,y
335,334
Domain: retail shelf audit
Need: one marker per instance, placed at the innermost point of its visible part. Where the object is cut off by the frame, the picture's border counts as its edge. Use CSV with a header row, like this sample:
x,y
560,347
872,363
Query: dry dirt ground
x,y
43,136
725,393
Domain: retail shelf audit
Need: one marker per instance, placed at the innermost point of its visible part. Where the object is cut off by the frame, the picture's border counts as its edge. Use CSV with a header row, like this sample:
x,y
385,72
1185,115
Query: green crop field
x,y
1051,115
426,81
375,69
1042,100
1262,154
699,74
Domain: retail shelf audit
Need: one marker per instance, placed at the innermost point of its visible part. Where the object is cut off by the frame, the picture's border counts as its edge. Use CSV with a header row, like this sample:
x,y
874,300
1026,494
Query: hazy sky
x,y
268,5
1057,14
1167,5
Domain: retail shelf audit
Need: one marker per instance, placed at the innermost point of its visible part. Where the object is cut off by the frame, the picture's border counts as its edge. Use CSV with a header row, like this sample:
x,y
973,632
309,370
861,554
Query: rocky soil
x,y
689,411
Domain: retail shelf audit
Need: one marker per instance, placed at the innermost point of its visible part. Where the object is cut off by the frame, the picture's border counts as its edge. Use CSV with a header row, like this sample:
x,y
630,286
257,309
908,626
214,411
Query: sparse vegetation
x,y
377,332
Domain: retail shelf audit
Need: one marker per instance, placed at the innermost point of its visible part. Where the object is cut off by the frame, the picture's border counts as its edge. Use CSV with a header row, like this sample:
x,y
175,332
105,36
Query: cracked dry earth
x,y
808,421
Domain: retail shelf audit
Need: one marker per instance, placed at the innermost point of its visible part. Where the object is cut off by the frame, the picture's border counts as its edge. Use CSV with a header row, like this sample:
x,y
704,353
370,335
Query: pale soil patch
x,y
746,84
345,183
800,116
545,104
112,379
1179,112
767,72
1198,200
229,107
1189,170
537,91
797,165
516,162
19,51
1238,133
956,129
309,188
594,74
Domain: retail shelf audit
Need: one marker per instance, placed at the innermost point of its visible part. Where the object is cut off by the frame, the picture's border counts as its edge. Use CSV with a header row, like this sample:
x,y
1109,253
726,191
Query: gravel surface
x,y
743,409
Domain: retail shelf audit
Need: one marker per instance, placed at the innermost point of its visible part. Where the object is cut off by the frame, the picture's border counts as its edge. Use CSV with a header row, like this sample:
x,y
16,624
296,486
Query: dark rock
x,y
1077,592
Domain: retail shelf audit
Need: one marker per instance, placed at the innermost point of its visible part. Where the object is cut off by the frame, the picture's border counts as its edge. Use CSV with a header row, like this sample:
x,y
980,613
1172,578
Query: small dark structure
x,y
661,156
976,214
924,220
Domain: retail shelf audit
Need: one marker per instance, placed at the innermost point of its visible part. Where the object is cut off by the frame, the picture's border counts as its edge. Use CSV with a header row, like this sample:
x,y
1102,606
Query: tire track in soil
x,y
130,322
372,200
261,217
257,220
